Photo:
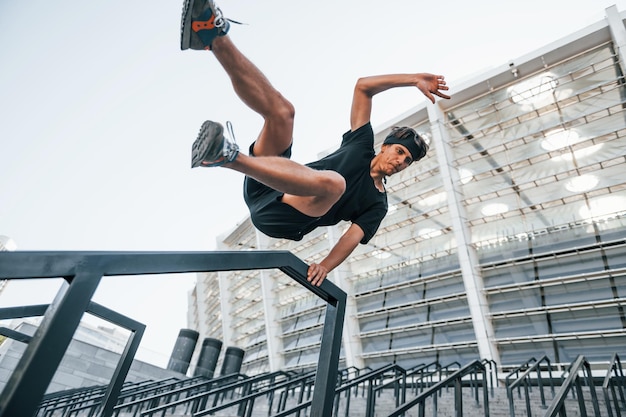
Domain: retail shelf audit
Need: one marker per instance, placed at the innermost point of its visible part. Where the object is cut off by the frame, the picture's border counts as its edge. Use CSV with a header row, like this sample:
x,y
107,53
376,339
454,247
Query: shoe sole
x,y
185,26
204,144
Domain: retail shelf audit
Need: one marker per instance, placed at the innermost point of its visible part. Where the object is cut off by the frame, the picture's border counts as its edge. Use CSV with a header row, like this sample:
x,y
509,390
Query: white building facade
x,y
508,241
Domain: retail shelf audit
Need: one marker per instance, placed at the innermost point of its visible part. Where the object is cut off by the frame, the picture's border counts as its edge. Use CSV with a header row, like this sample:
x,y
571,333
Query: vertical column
x,y
618,33
470,270
351,336
198,312
224,300
269,294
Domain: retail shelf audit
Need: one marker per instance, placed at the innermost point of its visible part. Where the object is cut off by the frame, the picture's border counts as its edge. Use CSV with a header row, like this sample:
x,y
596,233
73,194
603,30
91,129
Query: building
x,y
508,241
90,360
6,244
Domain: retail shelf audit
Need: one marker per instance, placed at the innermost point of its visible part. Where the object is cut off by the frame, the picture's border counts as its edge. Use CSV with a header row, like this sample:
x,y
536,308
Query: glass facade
x,y
507,241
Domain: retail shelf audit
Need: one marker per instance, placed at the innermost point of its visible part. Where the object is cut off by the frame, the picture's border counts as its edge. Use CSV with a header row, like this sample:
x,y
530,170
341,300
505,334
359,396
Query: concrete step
x,y
385,403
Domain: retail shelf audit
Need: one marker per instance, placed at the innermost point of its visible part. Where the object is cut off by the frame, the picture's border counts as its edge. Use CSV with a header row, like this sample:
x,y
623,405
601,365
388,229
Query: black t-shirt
x,y
362,203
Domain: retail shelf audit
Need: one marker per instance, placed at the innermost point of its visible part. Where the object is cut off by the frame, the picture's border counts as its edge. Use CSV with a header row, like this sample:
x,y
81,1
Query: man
x,y
286,199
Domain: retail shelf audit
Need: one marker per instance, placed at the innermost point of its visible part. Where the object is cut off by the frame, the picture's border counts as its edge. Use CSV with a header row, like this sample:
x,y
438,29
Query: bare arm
x,y
368,87
344,247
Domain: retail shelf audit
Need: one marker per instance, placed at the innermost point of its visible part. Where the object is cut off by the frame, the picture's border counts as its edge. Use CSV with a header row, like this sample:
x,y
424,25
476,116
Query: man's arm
x,y
368,87
344,247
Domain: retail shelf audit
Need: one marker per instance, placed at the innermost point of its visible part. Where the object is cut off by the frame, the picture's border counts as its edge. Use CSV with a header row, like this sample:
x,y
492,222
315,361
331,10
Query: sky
x,y
99,108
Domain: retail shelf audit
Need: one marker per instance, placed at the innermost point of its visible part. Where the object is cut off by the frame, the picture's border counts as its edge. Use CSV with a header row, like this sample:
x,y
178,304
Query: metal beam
x,y
30,379
83,272
28,265
328,363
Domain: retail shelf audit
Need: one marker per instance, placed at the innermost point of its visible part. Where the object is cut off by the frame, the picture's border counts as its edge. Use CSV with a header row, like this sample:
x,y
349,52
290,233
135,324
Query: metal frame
x,y
83,272
137,329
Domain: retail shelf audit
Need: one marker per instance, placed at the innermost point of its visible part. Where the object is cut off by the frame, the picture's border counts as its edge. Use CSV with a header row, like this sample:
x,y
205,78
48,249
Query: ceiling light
x,y
603,207
433,200
577,154
428,233
560,138
465,175
582,183
381,254
533,91
494,208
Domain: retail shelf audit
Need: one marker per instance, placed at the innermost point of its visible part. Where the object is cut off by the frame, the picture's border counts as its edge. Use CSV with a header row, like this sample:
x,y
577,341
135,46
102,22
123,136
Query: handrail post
x,y
579,394
619,373
458,396
328,363
44,353
486,393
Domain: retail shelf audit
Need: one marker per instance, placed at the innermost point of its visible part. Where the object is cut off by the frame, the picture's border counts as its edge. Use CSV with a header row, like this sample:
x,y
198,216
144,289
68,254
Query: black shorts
x,y
270,215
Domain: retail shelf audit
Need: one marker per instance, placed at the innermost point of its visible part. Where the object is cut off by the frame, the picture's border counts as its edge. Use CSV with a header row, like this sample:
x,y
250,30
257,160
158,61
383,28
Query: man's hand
x,y
316,274
430,84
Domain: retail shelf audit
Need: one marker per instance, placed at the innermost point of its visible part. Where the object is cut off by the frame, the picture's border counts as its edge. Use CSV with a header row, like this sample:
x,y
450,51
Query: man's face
x,y
396,158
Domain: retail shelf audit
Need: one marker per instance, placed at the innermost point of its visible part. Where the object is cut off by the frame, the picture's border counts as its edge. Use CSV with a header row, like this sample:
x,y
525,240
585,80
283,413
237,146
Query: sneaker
x,y
212,148
202,22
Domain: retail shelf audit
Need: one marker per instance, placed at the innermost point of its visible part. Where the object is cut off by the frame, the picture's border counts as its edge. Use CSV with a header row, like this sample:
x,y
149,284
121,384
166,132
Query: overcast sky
x,y
99,107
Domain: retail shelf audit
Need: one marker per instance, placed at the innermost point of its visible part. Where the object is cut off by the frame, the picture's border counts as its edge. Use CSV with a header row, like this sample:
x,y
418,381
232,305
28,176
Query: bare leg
x,y
310,191
255,90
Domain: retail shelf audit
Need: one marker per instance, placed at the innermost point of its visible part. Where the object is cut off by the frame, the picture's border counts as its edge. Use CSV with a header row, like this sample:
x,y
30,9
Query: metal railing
x,y
614,387
83,271
108,395
88,400
576,381
472,370
525,380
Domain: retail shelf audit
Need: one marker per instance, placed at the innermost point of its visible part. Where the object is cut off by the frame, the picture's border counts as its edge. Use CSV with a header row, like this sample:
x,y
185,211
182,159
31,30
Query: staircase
x,y
375,393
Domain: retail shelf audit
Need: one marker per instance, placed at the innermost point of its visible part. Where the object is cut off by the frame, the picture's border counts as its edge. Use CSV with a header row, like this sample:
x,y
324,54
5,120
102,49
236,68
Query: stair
x,y
384,403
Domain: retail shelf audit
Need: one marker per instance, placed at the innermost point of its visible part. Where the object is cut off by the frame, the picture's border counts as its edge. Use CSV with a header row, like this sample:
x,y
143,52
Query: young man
x,y
286,199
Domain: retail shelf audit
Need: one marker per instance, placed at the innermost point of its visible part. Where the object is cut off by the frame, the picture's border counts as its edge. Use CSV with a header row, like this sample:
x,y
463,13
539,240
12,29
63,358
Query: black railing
x,y
372,382
614,387
525,380
107,398
472,370
83,271
192,391
493,371
515,373
576,381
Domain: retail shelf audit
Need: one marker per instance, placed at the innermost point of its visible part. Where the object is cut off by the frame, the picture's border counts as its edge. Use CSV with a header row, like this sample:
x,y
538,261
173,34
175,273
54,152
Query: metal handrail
x,y
203,386
112,391
456,379
252,396
399,390
83,271
612,383
424,372
573,380
516,372
199,400
370,376
493,370
94,403
523,379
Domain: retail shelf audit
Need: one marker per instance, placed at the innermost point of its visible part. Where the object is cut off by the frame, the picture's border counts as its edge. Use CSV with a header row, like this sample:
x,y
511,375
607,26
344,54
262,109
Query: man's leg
x,y
255,90
310,191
